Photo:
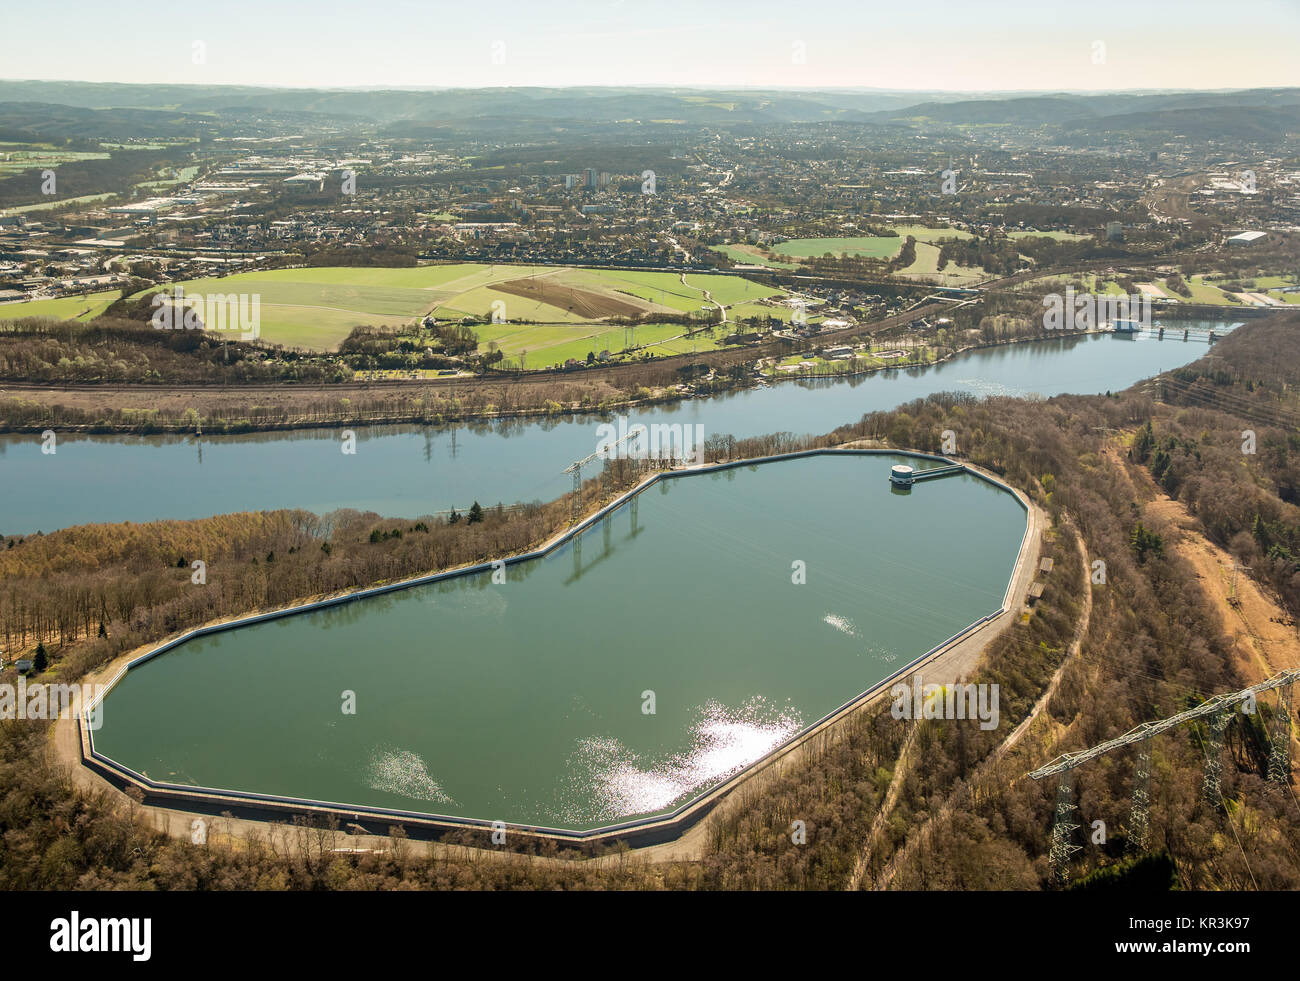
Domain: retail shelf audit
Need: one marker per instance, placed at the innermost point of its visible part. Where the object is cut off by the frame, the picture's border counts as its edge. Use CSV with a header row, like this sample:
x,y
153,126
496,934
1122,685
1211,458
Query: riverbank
x,y
115,410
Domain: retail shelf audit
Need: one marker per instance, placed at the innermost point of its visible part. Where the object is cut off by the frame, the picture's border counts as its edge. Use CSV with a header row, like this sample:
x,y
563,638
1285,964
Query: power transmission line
x,y
1220,707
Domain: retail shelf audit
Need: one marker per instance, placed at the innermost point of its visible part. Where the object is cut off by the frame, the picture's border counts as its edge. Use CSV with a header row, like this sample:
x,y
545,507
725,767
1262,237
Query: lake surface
x,y
412,471
523,701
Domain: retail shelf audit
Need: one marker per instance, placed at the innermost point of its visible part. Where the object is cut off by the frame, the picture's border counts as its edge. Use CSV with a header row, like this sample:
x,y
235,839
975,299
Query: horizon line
x,y
651,85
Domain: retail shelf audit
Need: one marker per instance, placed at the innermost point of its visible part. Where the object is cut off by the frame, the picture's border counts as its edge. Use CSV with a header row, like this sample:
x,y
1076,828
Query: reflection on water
x,y
401,772
612,782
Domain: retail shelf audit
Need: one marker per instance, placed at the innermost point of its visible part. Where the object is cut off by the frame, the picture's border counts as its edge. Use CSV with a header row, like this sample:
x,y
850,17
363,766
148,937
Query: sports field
x,y
871,246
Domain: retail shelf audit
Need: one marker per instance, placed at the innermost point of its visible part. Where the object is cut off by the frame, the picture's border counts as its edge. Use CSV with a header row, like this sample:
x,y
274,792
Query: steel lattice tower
x,y
1139,815
1279,757
1063,828
1214,758
577,497
1219,709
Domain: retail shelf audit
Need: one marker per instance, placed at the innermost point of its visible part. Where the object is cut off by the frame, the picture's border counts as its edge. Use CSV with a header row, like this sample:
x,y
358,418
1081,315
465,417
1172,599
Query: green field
x,y
1108,287
924,233
729,290
64,308
548,346
749,255
316,308
56,202
926,266
1202,292
1058,284
696,344
1270,282
16,161
184,175
872,246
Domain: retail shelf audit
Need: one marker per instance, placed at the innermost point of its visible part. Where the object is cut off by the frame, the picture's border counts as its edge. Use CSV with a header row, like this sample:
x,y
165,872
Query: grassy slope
x,y
64,308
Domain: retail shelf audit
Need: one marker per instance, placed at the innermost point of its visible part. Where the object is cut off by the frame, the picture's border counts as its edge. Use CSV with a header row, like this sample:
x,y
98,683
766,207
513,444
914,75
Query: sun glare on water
x,y
723,741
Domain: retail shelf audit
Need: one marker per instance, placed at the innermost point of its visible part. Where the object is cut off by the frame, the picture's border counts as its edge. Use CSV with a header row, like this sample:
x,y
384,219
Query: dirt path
x,y
1265,640
886,808
708,296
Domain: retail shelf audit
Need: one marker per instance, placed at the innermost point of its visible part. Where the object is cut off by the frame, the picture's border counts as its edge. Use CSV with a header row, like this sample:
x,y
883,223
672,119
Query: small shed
x,y
1046,565
1035,592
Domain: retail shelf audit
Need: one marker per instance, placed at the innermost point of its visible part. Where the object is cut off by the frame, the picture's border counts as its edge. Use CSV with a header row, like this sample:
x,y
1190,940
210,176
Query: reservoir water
x,y
411,471
526,701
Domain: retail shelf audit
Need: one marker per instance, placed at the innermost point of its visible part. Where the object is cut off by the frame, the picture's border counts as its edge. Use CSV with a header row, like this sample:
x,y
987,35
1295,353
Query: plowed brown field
x,y
584,303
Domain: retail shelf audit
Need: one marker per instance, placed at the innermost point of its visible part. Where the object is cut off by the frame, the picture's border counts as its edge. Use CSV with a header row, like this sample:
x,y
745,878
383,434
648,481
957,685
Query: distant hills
x,y
29,120
1248,114
97,110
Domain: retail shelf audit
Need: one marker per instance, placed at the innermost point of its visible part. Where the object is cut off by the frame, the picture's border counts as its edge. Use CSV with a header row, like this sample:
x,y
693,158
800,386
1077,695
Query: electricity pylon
x,y
1139,815
1279,757
1063,828
1220,707
576,466
1214,758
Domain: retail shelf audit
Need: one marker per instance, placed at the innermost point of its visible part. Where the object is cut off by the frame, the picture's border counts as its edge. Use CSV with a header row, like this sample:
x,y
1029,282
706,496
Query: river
x,y
410,471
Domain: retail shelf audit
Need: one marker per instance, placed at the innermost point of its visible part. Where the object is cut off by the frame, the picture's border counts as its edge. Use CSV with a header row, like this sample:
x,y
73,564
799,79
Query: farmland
x,y
535,315
19,157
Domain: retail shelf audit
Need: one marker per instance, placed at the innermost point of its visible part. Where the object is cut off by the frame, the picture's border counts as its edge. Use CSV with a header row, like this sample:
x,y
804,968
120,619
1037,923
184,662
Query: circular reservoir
x,y
612,681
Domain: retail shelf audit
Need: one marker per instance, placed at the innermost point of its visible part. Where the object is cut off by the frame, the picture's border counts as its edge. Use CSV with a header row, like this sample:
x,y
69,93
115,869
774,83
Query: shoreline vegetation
x,y
1154,642
424,407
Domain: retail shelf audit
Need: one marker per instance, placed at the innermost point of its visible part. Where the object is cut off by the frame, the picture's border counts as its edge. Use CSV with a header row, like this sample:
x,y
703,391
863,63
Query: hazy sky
x,y
905,44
